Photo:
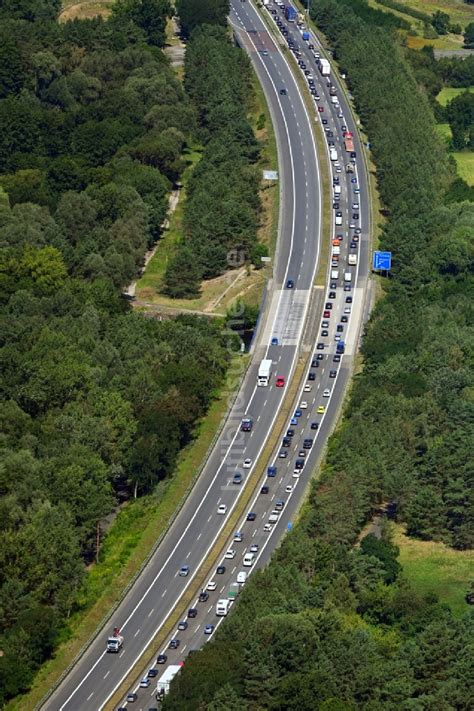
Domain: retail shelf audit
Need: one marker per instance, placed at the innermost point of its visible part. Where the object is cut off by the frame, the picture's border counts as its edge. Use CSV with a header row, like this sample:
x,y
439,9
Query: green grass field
x,y
449,93
434,568
465,164
459,12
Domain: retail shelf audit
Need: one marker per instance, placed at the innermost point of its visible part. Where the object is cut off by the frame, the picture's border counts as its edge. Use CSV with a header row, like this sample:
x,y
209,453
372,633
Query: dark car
x,y
355,215
335,206
332,294
192,612
339,328
152,673
220,570
320,355
251,516
203,596
264,489
290,284
315,363
327,314
353,245
290,433
182,625
328,305
307,443
332,373
161,659
347,287
174,644
314,425
320,346
311,376
283,92
237,478
348,299
336,358
286,442
344,319
282,455
324,121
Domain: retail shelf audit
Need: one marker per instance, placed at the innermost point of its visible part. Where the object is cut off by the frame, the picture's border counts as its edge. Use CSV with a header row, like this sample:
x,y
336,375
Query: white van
x,y
337,191
334,100
347,276
352,260
248,559
274,516
336,251
222,607
334,274
338,220
333,154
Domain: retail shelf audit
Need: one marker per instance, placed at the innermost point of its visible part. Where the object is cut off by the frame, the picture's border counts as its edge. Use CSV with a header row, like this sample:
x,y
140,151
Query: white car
x,y
327,393
247,463
248,559
355,205
212,585
222,509
307,388
242,577
267,527
296,473
289,488
230,553
347,310
304,405
145,683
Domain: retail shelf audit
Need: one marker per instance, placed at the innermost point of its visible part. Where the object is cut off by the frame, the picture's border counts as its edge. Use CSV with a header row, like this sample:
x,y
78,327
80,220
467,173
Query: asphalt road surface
x,y
96,675
322,389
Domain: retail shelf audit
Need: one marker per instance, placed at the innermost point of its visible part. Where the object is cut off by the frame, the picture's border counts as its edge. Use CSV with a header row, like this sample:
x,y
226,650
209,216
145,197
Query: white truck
x,y
163,685
324,67
264,372
222,607
337,191
115,642
332,154
352,260
347,277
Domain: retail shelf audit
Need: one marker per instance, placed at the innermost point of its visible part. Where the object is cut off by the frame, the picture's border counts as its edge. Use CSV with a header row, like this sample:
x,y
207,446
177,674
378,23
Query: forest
x,y
332,624
222,205
97,400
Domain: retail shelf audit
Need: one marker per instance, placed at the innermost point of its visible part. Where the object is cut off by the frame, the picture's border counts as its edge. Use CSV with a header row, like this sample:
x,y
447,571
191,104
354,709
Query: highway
x,y
323,386
96,675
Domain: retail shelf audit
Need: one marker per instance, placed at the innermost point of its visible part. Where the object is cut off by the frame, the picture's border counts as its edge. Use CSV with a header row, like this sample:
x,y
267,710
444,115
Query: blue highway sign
x,y
382,261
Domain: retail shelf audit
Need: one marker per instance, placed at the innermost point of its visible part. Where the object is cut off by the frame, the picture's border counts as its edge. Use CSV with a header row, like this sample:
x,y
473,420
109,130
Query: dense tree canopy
x,y
221,209
193,13
95,398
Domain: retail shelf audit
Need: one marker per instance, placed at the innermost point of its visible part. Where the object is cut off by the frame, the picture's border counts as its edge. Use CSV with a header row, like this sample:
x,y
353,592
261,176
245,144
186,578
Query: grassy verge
x,y
434,568
128,545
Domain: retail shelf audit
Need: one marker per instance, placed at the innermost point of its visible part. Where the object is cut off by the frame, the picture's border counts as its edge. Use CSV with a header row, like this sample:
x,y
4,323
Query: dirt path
x,y
172,205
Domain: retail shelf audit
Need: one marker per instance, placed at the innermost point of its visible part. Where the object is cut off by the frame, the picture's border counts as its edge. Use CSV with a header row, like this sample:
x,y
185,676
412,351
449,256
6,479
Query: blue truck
x,y
340,347
291,14
306,35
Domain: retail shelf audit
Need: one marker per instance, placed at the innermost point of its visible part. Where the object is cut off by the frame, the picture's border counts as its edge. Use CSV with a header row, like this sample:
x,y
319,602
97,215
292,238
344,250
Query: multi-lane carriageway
x,y
93,680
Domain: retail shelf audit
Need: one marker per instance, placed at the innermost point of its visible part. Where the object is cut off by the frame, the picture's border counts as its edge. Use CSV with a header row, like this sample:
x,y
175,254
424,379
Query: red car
x,y
280,382
327,314
320,109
